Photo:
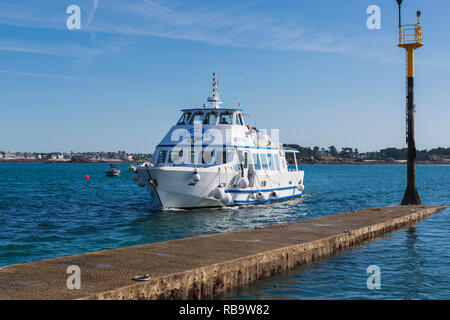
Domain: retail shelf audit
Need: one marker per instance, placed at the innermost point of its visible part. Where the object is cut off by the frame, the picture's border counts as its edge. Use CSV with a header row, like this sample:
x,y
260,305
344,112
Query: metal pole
x,y
411,196
399,2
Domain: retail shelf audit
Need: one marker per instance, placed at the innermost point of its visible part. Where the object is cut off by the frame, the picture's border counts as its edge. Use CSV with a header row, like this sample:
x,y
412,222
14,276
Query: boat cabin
x,y
211,117
239,145
257,158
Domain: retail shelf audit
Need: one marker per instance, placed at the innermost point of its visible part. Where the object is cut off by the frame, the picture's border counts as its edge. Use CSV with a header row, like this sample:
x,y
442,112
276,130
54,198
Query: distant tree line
x,y
402,154
318,153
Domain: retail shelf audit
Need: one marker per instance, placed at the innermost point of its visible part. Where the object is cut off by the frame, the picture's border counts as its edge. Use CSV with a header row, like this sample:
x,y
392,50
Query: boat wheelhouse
x,y
212,158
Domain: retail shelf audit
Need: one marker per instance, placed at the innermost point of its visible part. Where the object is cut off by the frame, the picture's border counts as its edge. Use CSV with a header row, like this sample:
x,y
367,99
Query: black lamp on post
x,y
399,12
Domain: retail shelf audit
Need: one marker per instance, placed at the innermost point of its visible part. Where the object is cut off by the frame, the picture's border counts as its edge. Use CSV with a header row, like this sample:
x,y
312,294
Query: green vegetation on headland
x,y
315,155
331,155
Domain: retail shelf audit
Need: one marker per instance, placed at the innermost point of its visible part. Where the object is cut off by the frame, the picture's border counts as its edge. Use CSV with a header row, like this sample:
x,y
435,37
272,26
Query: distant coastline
x,y
74,157
69,161
345,162
305,155
316,162
317,155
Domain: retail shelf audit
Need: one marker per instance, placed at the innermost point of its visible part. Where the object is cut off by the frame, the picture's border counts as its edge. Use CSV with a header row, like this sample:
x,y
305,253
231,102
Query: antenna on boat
x,y
221,75
215,98
240,85
192,90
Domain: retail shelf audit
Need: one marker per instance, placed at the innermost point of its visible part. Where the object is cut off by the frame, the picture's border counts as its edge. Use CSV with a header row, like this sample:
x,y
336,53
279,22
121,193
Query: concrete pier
x,y
201,267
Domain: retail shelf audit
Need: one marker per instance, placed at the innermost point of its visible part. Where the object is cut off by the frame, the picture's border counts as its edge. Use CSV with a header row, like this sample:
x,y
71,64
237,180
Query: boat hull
x,y
112,173
172,187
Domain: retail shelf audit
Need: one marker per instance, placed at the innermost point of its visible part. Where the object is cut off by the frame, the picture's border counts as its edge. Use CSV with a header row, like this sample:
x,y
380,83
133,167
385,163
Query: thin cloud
x,y
58,76
230,27
32,74
233,26
164,8
81,55
63,50
92,14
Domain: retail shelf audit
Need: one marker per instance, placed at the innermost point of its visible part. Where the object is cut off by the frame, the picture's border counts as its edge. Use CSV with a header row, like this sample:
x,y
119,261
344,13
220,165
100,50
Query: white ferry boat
x,y
211,158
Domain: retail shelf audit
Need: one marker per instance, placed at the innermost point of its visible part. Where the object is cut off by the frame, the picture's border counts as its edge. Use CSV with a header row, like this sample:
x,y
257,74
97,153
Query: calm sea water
x,y
49,210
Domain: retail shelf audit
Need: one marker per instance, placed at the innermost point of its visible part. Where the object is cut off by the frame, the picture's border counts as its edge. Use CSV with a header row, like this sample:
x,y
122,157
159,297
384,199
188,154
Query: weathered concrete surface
x,y
203,266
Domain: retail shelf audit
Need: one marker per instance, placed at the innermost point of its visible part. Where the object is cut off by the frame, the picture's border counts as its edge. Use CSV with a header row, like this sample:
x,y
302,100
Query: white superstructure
x,y
211,158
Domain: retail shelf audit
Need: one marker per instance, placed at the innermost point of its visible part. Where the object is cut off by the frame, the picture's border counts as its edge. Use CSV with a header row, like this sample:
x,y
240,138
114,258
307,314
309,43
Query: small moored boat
x,y
112,171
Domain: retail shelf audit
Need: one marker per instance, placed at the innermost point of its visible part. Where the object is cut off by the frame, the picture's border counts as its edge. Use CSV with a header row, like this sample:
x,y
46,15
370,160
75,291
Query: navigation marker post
x,y
410,39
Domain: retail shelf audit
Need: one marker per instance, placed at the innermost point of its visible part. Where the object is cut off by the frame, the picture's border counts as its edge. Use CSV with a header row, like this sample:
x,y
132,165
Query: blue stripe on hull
x,y
267,200
262,190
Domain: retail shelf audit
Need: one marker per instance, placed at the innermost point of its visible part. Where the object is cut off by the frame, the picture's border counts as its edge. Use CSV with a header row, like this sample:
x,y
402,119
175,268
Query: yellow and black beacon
x,y
410,38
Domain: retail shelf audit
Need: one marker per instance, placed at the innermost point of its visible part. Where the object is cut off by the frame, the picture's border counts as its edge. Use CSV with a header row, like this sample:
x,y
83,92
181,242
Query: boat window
x,y
162,156
276,161
196,118
245,160
239,120
224,157
184,118
271,162
283,163
176,156
241,159
264,161
211,118
256,162
193,157
208,157
226,118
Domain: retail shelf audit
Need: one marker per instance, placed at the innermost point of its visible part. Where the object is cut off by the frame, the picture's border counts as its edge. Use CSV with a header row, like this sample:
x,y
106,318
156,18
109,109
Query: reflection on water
x,y
414,264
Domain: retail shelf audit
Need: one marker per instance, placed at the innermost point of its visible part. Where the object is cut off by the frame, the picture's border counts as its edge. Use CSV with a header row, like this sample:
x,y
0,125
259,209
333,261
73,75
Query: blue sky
x,y
310,68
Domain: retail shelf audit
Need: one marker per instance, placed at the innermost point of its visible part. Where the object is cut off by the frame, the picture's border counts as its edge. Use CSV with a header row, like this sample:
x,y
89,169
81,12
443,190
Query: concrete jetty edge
x,y
202,267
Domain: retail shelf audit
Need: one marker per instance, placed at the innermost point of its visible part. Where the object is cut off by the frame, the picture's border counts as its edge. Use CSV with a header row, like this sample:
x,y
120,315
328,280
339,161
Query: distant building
x,y
10,156
57,156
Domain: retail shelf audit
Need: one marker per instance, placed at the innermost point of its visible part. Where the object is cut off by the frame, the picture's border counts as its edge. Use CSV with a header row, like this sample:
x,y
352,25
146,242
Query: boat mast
x,y
240,85
215,98
192,90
